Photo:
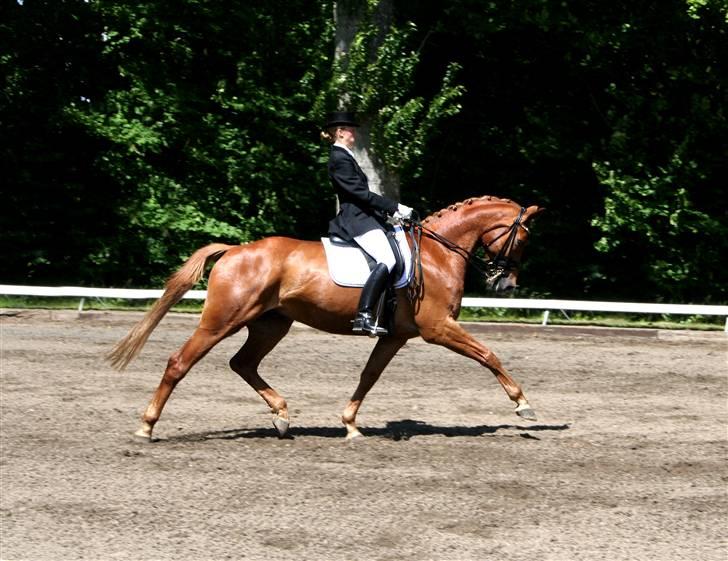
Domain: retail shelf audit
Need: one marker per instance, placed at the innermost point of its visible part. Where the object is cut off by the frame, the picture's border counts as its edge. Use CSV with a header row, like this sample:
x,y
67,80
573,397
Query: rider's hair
x,y
329,135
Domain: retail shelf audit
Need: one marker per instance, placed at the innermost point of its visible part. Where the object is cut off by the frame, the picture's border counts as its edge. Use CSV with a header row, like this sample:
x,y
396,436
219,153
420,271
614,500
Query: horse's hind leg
x,y
178,365
383,352
263,335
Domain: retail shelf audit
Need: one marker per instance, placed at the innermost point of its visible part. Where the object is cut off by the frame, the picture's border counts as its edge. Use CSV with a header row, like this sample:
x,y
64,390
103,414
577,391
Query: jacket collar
x,y
337,145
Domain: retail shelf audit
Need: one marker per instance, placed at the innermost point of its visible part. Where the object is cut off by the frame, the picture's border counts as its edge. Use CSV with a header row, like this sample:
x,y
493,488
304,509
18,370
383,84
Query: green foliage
x,y
696,7
377,77
665,204
197,122
556,90
135,132
215,134
650,221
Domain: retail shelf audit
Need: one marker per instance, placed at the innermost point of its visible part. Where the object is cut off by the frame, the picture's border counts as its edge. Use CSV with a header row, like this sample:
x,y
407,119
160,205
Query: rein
x,y
491,269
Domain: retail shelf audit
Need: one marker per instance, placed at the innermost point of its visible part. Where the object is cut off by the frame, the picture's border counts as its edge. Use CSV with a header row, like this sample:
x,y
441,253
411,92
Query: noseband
x,y
492,269
502,262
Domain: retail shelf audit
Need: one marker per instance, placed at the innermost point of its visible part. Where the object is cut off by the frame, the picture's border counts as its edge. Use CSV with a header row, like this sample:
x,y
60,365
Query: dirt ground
x,y
626,462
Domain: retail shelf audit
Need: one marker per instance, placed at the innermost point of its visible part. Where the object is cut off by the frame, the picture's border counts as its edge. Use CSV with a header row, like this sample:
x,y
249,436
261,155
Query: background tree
x,y
56,207
373,74
665,160
133,132
192,121
611,117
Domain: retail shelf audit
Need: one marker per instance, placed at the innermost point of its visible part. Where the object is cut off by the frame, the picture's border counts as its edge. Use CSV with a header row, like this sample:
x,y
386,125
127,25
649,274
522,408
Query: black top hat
x,y
340,119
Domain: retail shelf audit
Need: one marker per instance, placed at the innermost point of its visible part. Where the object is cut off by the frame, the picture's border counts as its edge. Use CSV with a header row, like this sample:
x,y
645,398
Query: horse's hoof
x,y
353,435
281,425
525,412
142,436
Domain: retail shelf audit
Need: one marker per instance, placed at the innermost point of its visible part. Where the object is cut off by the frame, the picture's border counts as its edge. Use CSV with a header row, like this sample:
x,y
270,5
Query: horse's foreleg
x,y
451,335
178,365
263,335
383,352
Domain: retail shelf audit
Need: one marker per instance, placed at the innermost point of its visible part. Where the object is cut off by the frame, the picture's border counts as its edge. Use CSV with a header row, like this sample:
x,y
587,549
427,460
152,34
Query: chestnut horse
x,y
267,284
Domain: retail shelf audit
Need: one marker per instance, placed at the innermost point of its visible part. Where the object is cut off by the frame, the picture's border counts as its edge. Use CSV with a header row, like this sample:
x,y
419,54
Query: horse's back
x,y
265,262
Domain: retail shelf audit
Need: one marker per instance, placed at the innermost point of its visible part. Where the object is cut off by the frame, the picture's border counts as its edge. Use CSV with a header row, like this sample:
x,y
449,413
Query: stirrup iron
x,y
365,323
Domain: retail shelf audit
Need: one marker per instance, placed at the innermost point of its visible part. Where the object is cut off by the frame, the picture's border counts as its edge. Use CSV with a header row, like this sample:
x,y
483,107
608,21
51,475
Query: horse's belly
x,y
322,305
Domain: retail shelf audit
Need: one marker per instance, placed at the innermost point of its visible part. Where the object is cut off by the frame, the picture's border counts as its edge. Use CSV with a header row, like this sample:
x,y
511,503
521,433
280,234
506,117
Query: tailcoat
x,y
360,210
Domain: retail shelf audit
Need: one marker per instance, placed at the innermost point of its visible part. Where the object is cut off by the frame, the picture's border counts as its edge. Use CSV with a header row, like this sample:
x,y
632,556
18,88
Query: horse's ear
x,y
533,211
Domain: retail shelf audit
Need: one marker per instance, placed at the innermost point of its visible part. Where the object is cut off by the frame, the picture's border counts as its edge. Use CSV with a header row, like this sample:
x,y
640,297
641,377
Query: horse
x,y
268,284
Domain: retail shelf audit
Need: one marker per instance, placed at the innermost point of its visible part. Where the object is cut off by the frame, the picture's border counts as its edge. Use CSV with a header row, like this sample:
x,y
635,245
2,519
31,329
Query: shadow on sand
x,y
394,430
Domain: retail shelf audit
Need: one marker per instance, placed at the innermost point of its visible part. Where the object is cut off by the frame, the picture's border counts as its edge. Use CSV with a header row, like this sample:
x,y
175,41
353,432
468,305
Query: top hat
x,y
340,119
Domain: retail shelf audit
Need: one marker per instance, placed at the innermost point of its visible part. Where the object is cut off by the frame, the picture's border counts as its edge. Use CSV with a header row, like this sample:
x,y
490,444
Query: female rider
x,y
361,216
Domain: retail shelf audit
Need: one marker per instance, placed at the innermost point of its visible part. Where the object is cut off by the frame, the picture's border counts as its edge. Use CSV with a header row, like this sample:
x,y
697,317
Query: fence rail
x,y
513,303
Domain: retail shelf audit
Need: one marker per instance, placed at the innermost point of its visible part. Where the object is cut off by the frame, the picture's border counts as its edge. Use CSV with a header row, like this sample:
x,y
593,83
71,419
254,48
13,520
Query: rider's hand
x,y
403,212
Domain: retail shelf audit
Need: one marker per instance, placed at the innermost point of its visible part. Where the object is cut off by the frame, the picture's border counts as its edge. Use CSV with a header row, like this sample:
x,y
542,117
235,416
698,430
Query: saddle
x,y
349,265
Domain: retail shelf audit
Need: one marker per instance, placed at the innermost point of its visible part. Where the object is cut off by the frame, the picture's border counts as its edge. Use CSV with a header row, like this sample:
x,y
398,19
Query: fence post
x,y
546,318
80,305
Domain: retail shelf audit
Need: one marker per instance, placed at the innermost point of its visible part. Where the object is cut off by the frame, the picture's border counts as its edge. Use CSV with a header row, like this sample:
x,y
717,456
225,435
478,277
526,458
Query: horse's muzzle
x,y
503,284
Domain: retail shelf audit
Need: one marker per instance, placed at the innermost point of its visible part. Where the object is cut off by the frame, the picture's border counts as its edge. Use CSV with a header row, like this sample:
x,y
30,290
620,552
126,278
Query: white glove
x,y
403,212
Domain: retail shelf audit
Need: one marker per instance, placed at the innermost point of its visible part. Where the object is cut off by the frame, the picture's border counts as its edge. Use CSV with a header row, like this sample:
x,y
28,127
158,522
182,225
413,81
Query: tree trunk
x,y
347,16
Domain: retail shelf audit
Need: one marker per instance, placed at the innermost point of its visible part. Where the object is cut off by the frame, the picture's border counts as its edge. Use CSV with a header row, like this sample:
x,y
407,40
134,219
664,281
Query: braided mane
x,y
467,202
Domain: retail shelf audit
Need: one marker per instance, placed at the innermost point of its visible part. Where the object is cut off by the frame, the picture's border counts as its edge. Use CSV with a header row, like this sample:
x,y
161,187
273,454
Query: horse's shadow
x,y
394,430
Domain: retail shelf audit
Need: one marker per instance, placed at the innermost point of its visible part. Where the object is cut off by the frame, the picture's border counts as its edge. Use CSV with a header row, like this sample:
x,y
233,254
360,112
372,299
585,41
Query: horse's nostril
x,y
505,285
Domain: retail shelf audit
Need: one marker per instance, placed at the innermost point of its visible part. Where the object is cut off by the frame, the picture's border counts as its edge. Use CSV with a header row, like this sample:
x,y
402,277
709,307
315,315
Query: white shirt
x,y
337,143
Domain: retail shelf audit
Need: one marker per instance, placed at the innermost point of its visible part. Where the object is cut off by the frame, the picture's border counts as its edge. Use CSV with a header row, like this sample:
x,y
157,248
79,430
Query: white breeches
x,y
375,243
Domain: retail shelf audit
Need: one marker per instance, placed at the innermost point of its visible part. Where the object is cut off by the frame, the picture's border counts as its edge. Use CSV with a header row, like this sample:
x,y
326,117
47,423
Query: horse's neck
x,y
461,227
464,226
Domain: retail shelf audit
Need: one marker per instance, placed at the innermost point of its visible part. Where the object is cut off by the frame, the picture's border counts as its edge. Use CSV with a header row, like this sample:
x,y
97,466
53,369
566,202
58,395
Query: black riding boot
x,y
365,321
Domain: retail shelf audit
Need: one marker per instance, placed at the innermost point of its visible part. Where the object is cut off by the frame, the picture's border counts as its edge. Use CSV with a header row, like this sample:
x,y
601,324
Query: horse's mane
x,y
467,202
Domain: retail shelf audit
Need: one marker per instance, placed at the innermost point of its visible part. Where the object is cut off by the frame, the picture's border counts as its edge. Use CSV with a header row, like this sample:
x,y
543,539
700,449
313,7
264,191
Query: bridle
x,y
503,262
492,269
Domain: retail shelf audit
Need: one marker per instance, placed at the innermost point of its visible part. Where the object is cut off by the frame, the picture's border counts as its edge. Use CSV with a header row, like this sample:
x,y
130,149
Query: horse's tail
x,y
175,288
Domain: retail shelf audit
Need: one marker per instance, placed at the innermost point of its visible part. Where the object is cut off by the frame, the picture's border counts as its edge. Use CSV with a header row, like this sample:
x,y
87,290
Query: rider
x,y
361,216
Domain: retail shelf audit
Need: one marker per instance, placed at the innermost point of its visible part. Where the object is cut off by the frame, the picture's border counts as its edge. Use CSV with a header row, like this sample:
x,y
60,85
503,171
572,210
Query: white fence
x,y
517,303
594,306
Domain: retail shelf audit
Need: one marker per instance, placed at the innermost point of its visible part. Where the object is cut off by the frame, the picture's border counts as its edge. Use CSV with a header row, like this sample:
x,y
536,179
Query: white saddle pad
x,y
348,266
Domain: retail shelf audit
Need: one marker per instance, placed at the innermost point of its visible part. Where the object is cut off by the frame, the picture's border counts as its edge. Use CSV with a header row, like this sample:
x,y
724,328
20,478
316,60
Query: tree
x,y
374,75
196,130
613,118
133,132
665,217
56,207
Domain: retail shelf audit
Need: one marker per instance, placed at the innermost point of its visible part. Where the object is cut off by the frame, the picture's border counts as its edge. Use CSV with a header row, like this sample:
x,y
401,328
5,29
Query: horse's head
x,y
504,244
